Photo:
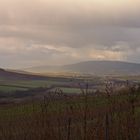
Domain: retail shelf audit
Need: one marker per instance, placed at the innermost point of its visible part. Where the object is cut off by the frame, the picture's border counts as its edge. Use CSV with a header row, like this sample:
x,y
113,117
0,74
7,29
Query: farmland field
x,y
69,109
67,84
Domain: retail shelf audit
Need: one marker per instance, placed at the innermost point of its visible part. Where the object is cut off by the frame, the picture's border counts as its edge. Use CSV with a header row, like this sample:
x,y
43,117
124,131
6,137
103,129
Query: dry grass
x,y
114,116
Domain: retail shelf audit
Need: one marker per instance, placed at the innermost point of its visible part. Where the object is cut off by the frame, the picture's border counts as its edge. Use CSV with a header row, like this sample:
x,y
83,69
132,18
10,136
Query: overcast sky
x,y
47,32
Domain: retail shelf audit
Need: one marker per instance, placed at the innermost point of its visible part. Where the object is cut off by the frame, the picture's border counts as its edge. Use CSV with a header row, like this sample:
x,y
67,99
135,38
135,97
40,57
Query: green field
x,y
8,86
21,85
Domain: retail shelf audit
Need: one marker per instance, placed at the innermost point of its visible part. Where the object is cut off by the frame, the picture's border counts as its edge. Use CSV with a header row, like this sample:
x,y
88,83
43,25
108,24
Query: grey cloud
x,y
75,25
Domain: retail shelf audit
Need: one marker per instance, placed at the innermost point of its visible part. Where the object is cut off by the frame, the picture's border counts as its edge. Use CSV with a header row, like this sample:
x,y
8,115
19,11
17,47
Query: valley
x,y
68,105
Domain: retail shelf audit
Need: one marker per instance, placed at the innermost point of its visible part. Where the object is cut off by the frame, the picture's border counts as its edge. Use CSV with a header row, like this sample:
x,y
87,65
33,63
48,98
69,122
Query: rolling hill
x,y
11,75
93,67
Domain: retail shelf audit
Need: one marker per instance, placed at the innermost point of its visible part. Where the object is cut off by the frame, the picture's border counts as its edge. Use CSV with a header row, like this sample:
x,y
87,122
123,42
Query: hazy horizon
x,y
64,64
50,32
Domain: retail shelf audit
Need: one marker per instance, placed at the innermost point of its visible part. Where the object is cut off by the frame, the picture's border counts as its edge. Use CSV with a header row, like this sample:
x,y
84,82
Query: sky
x,y
57,32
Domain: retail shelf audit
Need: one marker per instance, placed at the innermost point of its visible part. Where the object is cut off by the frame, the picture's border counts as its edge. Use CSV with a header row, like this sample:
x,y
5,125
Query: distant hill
x,y
93,67
11,75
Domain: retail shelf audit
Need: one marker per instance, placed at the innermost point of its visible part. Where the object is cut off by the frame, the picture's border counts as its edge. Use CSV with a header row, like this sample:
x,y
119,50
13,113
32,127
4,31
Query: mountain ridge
x,y
93,67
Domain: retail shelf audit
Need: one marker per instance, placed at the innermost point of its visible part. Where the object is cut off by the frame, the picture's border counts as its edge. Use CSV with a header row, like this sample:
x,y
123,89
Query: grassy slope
x,y
41,117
